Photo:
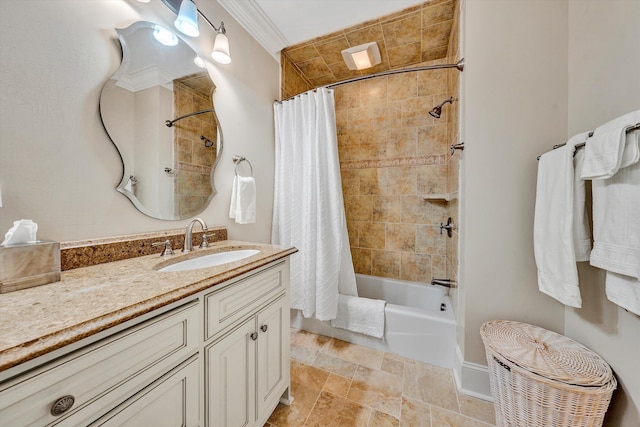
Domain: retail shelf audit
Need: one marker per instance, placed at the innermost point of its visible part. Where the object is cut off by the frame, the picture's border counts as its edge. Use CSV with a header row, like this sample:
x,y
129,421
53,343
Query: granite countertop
x,y
88,300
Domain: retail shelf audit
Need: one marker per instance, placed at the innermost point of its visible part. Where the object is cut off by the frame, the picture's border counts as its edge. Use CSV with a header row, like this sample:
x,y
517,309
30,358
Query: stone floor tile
x,y
303,354
477,408
357,354
380,419
336,411
337,385
335,365
415,413
378,390
430,384
392,366
442,418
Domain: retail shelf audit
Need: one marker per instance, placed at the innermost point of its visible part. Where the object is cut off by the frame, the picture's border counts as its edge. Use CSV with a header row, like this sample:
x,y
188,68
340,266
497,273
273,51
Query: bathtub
x,y
415,325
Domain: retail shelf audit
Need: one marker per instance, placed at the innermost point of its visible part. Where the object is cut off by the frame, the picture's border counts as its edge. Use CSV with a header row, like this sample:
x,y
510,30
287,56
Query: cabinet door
x,y
170,401
272,356
230,378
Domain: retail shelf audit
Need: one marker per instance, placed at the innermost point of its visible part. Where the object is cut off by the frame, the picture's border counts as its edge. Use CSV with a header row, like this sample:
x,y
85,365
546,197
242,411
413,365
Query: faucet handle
x,y
205,240
167,250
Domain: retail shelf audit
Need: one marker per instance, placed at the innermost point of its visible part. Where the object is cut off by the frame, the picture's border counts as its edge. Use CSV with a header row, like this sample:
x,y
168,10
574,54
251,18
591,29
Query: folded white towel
x,y
631,153
624,291
603,152
616,222
581,230
553,228
243,200
362,315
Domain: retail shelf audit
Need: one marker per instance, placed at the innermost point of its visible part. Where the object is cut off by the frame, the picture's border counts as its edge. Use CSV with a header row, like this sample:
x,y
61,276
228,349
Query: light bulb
x,y
165,36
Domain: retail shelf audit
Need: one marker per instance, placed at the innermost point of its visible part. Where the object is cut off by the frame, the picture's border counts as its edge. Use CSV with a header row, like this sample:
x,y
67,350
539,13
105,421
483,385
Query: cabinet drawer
x,y
116,365
171,401
224,307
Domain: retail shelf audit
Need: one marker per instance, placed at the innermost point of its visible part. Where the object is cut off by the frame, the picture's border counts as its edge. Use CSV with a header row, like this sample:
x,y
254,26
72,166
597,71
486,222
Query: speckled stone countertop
x,y
91,299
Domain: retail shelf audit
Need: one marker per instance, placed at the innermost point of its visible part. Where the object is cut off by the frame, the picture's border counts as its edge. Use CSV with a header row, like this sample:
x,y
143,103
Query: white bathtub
x,y
415,325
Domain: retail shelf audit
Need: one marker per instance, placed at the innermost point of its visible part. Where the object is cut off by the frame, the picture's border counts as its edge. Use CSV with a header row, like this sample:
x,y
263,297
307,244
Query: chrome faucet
x,y
188,234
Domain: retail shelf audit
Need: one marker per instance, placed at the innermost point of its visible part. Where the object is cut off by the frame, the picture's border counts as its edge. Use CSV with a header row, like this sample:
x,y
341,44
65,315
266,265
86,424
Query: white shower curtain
x,y
308,210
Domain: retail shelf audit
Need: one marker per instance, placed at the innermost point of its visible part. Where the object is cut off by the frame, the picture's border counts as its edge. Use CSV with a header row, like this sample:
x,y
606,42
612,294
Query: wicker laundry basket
x,y
541,378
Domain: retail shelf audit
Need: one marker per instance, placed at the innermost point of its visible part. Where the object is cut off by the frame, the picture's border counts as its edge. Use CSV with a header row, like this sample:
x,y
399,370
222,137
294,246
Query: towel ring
x,y
239,159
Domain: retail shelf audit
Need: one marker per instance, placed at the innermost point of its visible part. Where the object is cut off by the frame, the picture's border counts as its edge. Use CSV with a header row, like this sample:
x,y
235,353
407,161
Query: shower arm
x,y
170,123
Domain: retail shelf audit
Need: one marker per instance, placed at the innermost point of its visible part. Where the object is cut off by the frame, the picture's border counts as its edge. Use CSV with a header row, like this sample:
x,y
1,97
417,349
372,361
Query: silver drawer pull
x,y
264,328
254,336
62,405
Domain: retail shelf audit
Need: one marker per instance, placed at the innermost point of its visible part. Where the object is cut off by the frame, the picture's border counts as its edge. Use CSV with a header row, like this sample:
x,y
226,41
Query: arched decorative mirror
x,y
158,111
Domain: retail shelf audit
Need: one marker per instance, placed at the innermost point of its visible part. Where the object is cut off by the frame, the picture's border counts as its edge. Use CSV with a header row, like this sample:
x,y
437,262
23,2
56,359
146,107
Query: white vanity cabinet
x,y
219,358
247,362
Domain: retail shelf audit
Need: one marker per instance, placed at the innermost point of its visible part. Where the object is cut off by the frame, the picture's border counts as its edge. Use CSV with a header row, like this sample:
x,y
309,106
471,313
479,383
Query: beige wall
x,y
604,82
525,90
57,165
515,107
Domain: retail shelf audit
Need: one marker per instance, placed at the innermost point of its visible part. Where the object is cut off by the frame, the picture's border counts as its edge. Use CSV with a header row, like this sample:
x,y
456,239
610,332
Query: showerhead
x,y
437,111
207,142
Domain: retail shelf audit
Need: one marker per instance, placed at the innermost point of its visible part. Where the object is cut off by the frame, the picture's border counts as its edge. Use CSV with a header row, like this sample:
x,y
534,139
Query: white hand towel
x,y
362,315
245,208
553,228
616,222
603,152
624,291
234,198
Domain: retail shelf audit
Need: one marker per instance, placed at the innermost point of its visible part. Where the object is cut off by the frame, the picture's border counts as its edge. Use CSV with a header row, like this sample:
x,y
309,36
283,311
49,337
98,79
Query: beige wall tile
x,y
385,264
372,235
430,241
387,209
432,139
432,179
436,35
415,267
438,13
402,143
402,86
400,237
370,181
402,31
361,260
358,208
407,54
399,180
331,50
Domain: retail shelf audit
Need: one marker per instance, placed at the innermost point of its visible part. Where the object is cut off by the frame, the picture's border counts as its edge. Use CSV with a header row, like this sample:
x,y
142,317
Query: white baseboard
x,y
472,379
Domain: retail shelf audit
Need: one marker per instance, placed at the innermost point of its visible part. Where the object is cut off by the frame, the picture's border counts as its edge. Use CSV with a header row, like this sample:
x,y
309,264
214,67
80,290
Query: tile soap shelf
x,y
446,197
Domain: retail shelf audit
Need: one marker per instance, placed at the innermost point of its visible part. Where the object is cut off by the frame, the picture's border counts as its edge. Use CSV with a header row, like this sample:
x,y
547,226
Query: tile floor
x,y
338,384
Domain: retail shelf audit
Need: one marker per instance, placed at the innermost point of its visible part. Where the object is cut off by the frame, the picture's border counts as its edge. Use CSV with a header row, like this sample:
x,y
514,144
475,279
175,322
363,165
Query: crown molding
x,y
145,78
253,19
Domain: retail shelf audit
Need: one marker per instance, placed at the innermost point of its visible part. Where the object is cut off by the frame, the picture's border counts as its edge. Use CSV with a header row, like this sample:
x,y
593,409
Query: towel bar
x,y
239,159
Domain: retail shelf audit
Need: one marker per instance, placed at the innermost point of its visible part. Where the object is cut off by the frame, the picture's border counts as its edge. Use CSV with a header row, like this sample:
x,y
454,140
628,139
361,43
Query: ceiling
x,y
277,24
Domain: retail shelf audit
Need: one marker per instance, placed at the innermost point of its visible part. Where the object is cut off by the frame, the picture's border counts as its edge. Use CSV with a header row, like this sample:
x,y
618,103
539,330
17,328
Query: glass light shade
x,y
362,59
220,52
199,62
164,36
187,21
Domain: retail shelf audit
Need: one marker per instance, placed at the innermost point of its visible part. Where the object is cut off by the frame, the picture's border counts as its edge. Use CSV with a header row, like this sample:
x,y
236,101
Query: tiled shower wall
x,y
193,160
392,154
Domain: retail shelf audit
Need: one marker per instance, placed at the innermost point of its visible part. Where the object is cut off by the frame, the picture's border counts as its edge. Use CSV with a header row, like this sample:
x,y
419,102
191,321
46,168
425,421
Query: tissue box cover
x,y
29,264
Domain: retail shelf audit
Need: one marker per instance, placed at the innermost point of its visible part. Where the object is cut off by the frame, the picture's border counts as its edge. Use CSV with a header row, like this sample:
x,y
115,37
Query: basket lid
x,y
546,353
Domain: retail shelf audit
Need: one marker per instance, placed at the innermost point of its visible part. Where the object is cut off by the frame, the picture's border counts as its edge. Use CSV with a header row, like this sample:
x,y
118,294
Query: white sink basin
x,y
210,260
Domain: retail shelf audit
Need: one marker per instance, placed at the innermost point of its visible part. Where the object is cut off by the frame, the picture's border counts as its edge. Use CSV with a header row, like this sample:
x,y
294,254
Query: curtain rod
x,y
458,65
170,123
581,145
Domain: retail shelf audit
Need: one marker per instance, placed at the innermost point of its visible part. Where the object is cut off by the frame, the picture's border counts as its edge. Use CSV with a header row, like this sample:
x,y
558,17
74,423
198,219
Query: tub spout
x,y
447,283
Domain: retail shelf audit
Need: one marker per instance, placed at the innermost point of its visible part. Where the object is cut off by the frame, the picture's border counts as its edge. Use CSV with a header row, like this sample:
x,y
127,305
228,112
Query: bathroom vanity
x,y
125,344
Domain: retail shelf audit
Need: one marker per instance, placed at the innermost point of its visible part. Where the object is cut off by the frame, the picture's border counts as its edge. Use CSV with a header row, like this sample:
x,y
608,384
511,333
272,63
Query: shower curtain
x,y
308,210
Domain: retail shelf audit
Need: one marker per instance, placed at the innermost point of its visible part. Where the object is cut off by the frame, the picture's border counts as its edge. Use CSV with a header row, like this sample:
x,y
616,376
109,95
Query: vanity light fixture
x,y
164,36
187,23
187,20
362,56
